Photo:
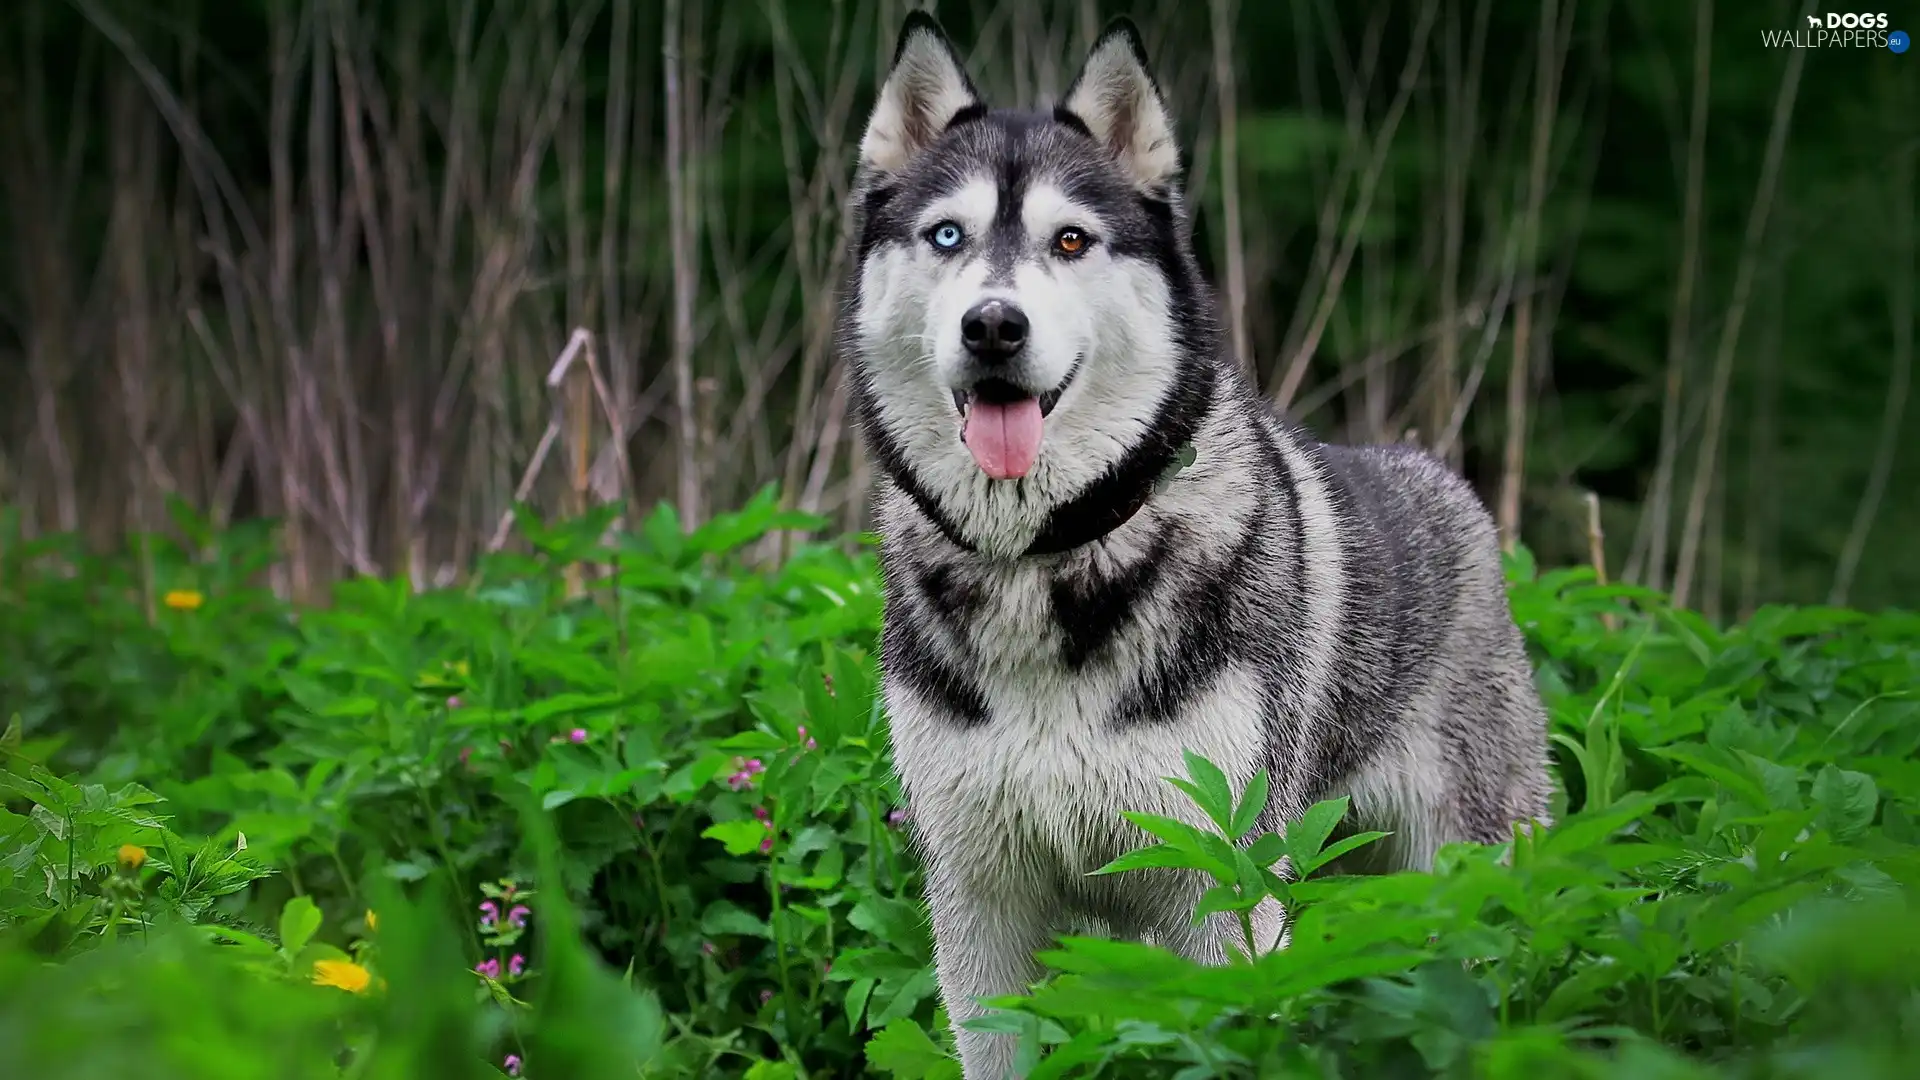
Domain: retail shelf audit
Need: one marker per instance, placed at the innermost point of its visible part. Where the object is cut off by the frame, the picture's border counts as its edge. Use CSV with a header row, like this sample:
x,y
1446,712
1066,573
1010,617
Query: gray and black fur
x,y
1053,641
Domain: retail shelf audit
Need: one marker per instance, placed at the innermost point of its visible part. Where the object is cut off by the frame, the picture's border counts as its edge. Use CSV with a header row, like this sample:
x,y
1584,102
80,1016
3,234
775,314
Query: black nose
x,y
994,331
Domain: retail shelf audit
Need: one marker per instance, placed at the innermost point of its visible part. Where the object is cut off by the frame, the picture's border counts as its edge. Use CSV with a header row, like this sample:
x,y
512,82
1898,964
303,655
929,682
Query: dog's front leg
x,y
983,946
1220,936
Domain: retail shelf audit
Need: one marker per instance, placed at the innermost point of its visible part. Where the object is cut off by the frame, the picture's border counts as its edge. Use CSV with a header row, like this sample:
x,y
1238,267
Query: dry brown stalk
x,y
1549,59
1679,335
1296,367
680,242
1597,550
1228,93
1750,248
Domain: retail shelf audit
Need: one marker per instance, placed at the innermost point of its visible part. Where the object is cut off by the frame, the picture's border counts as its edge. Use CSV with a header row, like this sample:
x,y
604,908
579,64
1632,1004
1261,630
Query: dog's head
x,y
1024,308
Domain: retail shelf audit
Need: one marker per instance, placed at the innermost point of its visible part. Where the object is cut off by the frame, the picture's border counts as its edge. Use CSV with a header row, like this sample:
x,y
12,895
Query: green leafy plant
x,y
649,828
1241,864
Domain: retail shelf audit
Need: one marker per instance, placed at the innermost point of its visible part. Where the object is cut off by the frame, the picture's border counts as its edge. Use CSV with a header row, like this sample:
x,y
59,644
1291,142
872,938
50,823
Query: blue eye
x,y
946,236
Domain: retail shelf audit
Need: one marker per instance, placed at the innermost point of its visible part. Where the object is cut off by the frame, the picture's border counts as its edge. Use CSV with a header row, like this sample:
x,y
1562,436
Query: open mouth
x,y
1002,392
1001,423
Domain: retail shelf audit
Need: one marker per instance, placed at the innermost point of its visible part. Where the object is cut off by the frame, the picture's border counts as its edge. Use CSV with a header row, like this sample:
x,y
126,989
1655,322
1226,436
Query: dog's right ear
x,y
925,89
1117,100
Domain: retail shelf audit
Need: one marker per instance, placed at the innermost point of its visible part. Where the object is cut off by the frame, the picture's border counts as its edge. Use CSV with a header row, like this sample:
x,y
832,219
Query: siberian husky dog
x,y
1101,546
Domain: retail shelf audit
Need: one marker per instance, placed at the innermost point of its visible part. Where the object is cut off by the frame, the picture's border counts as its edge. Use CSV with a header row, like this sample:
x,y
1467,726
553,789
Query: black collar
x,y
1110,503
1066,532
1093,515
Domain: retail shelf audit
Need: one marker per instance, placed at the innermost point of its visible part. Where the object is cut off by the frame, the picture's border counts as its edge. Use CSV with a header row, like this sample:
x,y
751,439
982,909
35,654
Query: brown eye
x,y
1070,241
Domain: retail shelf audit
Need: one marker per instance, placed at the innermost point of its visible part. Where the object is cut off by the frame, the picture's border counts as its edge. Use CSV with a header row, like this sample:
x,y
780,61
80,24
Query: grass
x,y
652,831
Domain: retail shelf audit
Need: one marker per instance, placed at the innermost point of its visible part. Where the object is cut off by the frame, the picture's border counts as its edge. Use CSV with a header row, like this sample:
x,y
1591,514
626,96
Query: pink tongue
x,y
1004,439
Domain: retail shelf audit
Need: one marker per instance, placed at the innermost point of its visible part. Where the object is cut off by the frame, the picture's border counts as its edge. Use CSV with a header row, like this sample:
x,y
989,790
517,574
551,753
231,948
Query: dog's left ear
x,y
925,89
1117,99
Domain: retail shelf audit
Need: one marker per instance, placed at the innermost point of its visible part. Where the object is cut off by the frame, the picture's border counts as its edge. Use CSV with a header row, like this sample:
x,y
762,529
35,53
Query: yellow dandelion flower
x,y
344,974
184,599
132,855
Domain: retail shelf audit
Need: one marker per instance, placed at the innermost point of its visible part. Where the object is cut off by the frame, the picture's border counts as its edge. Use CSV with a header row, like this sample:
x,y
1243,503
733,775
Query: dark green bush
x,y
651,830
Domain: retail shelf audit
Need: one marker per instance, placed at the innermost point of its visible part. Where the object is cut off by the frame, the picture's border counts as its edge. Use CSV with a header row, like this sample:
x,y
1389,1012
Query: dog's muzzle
x,y
1001,422
996,390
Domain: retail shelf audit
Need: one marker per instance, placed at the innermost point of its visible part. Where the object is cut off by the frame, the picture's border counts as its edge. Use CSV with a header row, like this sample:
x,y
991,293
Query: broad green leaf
x,y
1223,898
1336,849
856,1001
1267,849
901,923
1844,801
1152,857
740,836
1210,790
1253,803
725,917
903,1049
904,1001
299,921
1171,830
1305,836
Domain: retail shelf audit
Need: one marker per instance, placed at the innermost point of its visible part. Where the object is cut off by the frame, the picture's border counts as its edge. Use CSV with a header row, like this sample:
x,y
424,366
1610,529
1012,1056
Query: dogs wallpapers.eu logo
x,y
1102,547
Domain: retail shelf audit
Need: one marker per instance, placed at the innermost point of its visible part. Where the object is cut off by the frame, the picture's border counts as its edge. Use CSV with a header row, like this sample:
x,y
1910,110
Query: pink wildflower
x,y
488,967
745,769
516,965
804,737
489,913
766,996
578,735
512,1064
766,845
518,915
897,816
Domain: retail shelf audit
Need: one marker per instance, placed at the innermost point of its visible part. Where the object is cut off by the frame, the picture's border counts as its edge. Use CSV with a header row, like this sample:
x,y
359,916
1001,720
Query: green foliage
x,y
651,831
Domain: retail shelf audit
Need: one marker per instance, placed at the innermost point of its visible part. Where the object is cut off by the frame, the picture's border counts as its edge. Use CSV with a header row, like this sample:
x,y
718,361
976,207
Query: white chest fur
x,y
1035,794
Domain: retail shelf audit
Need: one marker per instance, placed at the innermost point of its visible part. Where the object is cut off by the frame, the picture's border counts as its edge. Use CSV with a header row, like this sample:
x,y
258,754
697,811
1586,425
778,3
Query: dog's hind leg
x,y
1468,765
1220,937
1168,922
